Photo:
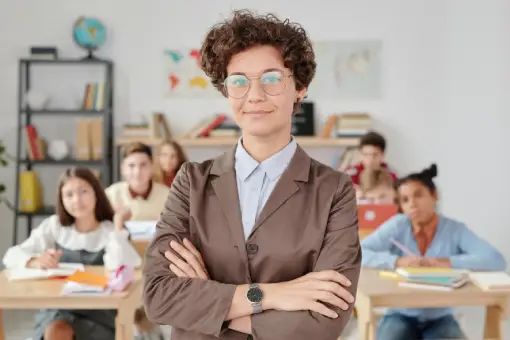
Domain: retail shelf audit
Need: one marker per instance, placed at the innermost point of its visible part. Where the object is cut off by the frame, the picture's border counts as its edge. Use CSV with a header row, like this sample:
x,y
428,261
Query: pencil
x,y
403,248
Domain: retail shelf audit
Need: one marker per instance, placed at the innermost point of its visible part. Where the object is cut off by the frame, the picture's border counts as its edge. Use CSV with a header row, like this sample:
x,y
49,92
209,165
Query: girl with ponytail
x,y
434,241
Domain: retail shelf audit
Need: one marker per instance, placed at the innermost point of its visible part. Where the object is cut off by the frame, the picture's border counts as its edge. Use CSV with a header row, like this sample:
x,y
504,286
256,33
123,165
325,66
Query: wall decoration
x,y
183,76
347,69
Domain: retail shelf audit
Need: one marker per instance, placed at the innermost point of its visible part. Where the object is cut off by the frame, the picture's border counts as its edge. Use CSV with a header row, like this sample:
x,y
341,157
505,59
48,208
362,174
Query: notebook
x,y
424,272
63,270
89,279
84,283
371,216
141,230
491,281
80,289
424,286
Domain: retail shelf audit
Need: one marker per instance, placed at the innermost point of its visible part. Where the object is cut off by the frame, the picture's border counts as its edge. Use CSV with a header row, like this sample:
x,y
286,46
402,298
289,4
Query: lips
x,y
257,112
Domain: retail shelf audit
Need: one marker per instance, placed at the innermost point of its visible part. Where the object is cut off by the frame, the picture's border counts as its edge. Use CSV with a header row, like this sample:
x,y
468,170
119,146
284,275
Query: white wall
x,y
446,70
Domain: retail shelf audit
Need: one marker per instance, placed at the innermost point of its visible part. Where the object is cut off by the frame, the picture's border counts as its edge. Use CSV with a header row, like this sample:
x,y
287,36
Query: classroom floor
x,y
18,324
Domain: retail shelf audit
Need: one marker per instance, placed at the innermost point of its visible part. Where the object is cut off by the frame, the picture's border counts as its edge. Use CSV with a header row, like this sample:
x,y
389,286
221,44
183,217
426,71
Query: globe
x,y
89,34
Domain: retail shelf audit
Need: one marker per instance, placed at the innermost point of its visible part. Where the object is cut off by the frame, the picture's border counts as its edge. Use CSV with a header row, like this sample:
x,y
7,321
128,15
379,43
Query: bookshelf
x,y
220,142
25,116
206,142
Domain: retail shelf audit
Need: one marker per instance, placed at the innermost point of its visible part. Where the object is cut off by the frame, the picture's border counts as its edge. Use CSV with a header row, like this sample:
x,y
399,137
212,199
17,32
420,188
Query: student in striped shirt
x,y
436,241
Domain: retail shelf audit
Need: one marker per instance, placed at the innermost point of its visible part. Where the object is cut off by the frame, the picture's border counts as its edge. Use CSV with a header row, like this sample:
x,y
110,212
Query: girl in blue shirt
x,y
437,241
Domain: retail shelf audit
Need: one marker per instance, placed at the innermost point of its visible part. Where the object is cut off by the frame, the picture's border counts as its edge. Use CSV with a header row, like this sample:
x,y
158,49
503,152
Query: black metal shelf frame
x,y
25,118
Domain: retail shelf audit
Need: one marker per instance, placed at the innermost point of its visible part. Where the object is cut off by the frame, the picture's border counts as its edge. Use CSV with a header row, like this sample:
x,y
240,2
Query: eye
x,y
271,77
236,80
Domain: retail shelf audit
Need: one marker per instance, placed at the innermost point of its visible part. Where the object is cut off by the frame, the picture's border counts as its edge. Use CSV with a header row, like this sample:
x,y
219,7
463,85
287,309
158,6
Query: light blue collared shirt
x,y
256,181
453,240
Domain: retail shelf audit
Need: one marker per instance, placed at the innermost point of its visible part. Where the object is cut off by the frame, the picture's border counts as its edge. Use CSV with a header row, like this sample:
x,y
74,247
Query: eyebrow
x,y
265,71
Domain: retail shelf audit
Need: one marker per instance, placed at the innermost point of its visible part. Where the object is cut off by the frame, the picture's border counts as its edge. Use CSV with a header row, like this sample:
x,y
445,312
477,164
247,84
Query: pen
x,y
403,248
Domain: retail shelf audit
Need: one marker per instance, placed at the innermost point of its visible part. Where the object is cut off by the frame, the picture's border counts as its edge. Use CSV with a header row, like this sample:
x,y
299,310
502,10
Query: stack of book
x,y
432,278
353,125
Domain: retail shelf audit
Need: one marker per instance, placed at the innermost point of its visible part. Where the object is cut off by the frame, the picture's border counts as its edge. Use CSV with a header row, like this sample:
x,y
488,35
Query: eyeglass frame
x,y
285,77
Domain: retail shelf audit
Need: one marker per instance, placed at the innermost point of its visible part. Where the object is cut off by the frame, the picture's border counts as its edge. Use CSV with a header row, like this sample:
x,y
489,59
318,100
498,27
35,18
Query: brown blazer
x,y
309,223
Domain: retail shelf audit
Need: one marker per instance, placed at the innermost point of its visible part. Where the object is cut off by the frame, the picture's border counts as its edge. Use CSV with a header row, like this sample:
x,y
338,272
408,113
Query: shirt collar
x,y
274,166
143,196
429,230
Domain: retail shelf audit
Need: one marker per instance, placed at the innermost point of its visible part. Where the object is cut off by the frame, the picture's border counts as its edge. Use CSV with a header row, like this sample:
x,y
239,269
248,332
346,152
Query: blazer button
x,y
252,249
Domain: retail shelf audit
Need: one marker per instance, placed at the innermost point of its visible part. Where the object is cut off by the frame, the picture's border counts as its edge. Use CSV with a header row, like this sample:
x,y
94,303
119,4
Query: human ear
x,y
301,95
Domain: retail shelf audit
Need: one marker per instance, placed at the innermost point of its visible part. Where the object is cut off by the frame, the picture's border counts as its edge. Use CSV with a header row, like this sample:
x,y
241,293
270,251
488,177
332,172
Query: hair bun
x,y
430,172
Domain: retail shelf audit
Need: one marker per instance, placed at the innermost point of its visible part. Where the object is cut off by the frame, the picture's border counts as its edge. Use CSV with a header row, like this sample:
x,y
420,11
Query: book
x,y
491,281
63,270
141,230
424,286
421,272
81,289
89,279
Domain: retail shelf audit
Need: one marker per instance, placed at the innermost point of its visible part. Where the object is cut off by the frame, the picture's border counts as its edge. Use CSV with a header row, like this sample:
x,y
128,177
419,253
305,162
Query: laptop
x,y
371,216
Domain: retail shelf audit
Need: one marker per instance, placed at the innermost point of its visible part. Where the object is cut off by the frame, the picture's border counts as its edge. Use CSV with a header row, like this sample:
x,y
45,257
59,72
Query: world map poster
x,y
347,69
183,76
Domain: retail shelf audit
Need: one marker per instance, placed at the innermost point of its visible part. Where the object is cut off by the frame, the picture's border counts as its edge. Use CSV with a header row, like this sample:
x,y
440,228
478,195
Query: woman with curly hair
x,y
261,242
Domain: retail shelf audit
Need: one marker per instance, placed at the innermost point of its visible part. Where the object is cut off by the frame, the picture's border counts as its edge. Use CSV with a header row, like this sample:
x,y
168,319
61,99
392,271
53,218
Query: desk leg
x,y
124,323
366,319
2,334
493,325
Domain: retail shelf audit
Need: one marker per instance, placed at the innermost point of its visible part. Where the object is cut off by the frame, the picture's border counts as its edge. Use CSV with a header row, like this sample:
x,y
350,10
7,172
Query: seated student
x,y
170,159
84,230
138,193
376,187
437,241
145,200
372,147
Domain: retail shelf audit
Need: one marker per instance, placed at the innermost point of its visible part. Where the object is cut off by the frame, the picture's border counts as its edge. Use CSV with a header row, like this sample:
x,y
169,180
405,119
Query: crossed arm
x,y
174,287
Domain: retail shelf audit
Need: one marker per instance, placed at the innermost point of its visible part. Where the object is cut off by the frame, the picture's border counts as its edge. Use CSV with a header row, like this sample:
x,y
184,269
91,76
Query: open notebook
x,y
63,270
491,281
141,230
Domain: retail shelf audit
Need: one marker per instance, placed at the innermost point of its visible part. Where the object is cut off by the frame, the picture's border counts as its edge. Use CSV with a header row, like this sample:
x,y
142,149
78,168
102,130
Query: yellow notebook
x,y
389,275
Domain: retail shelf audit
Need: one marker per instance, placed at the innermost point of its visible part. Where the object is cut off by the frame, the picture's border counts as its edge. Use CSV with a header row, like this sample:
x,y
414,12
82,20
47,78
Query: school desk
x,y
47,294
375,291
141,246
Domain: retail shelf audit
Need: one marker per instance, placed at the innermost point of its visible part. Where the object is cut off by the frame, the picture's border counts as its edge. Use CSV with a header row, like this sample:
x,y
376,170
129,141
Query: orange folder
x,y
89,279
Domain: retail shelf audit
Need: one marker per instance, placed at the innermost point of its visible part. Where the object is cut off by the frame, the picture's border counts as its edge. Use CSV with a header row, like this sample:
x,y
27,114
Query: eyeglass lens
x,y
238,85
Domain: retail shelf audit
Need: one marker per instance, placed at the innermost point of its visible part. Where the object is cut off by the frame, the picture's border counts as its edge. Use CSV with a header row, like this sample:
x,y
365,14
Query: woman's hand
x,y
190,264
121,216
48,260
309,292
436,262
409,261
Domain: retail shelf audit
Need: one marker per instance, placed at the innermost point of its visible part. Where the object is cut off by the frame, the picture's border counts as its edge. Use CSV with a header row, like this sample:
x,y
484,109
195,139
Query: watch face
x,y
255,294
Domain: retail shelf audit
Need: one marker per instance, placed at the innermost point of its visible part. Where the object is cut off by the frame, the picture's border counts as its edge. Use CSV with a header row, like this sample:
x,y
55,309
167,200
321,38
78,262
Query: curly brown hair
x,y
245,30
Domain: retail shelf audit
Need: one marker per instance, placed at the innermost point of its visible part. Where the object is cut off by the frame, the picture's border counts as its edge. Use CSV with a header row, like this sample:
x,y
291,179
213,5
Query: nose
x,y
255,93
76,199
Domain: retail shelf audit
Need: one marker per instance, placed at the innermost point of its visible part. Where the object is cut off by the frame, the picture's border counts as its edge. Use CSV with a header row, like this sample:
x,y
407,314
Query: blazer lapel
x,y
297,171
225,188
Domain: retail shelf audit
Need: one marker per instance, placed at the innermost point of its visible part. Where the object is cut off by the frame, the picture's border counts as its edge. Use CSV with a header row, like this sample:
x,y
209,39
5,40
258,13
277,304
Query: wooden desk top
x,y
46,293
386,292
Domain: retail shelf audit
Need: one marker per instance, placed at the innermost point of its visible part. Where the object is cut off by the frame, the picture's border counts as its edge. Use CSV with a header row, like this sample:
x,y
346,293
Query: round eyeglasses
x,y
272,83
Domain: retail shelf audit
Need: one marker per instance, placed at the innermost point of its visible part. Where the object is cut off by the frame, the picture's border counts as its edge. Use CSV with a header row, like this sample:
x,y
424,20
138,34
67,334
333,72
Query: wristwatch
x,y
255,296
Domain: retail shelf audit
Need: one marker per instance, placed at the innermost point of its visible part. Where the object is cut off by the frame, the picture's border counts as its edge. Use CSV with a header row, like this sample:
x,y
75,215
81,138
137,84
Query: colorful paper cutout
x,y
176,56
174,81
198,81
183,75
